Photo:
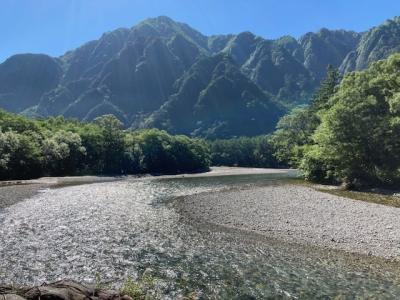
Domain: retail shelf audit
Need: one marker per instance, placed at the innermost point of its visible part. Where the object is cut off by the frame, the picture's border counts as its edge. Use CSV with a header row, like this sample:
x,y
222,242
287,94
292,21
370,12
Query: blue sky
x,y
55,26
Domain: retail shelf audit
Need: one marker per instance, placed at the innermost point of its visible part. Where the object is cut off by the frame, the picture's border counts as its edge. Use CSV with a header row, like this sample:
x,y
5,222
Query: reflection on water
x,y
120,229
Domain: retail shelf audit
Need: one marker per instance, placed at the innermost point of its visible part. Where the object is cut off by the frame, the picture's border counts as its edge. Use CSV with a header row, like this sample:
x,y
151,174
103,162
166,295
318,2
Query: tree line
x,y
57,147
350,133
257,152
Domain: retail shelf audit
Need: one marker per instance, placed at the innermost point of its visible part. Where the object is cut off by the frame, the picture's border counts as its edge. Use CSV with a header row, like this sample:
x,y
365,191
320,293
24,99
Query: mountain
x,y
215,99
327,47
165,74
24,78
375,44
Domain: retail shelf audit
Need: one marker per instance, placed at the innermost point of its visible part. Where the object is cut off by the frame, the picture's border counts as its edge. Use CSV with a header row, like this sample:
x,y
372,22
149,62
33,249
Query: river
x,y
115,230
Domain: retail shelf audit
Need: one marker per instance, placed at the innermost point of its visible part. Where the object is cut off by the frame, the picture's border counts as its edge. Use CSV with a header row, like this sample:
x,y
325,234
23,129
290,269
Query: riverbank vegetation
x,y
256,152
57,147
350,133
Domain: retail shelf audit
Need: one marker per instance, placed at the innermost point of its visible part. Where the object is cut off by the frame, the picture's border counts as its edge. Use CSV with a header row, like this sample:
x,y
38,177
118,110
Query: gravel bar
x,y
14,191
301,214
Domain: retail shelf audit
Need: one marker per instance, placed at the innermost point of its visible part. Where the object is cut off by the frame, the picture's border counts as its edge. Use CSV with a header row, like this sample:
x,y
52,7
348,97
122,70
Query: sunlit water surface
x,y
117,230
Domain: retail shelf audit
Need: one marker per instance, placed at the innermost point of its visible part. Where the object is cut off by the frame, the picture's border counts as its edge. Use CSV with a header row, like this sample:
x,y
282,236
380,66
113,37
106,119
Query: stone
x,y
60,290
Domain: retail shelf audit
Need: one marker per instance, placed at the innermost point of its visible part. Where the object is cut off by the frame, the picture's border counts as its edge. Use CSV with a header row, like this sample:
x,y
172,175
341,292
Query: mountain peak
x,y
160,20
377,43
146,72
165,27
395,19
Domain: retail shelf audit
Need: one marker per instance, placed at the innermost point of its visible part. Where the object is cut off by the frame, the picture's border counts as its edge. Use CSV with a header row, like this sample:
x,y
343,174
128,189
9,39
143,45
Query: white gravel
x,y
14,191
301,214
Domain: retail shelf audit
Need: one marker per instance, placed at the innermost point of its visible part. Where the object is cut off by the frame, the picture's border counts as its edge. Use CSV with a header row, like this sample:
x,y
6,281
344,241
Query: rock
x,y
60,290
12,297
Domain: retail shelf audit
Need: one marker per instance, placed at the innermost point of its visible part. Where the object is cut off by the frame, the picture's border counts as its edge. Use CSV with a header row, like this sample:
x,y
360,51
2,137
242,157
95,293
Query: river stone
x,y
60,290
12,297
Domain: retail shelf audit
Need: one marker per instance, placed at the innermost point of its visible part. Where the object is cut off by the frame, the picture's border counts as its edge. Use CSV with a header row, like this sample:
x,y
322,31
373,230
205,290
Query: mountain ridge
x,y
135,72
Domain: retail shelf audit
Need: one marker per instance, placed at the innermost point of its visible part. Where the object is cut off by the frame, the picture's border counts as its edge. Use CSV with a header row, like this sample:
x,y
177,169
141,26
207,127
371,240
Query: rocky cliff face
x,y
375,44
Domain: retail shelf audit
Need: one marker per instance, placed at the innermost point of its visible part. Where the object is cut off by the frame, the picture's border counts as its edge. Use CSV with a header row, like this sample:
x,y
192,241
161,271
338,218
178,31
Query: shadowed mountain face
x,y
215,99
165,74
24,78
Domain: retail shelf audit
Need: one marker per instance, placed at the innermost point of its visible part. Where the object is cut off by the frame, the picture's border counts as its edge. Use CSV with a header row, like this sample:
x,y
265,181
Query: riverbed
x,y
304,215
111,231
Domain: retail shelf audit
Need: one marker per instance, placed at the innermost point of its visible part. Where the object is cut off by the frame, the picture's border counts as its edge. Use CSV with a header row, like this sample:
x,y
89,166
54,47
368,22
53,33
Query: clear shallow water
x,y
116,230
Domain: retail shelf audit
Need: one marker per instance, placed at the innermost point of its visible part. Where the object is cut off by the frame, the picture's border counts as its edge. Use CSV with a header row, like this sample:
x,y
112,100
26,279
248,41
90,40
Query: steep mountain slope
x,y
24,78
214,99
126,71
327,47
377,43
164,73
271,66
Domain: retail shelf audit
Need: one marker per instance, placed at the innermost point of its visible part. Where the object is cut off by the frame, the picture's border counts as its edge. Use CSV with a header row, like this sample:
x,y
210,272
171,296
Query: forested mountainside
x,y
162,73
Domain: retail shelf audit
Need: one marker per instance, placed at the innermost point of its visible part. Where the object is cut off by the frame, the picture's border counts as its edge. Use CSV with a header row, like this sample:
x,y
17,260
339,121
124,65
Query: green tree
x,y
112,143
295,130
63,153
132,154
160,152
243,152
19,156
57,146
320,100
358,140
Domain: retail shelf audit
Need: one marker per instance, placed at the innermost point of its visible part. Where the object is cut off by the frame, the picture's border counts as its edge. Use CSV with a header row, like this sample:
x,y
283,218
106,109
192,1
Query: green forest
x,y
349,134
56,147
255,152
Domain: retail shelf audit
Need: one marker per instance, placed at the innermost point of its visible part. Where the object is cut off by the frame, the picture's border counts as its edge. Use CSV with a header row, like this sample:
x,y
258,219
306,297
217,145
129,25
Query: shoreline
x,y
131,227
14,191
301,215
282,210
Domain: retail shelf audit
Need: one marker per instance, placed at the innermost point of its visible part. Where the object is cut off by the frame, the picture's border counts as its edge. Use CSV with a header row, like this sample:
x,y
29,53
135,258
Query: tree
x,y
132,154
320,100
63,153
19,156
112,143
56,146
358,140
294,132
243,151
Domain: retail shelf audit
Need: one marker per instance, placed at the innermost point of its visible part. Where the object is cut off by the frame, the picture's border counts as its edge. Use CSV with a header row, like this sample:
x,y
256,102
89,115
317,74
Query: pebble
x,y
302,214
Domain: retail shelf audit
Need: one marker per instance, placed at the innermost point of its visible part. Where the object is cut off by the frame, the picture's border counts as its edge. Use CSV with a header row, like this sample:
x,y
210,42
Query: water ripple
x,y
120,229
